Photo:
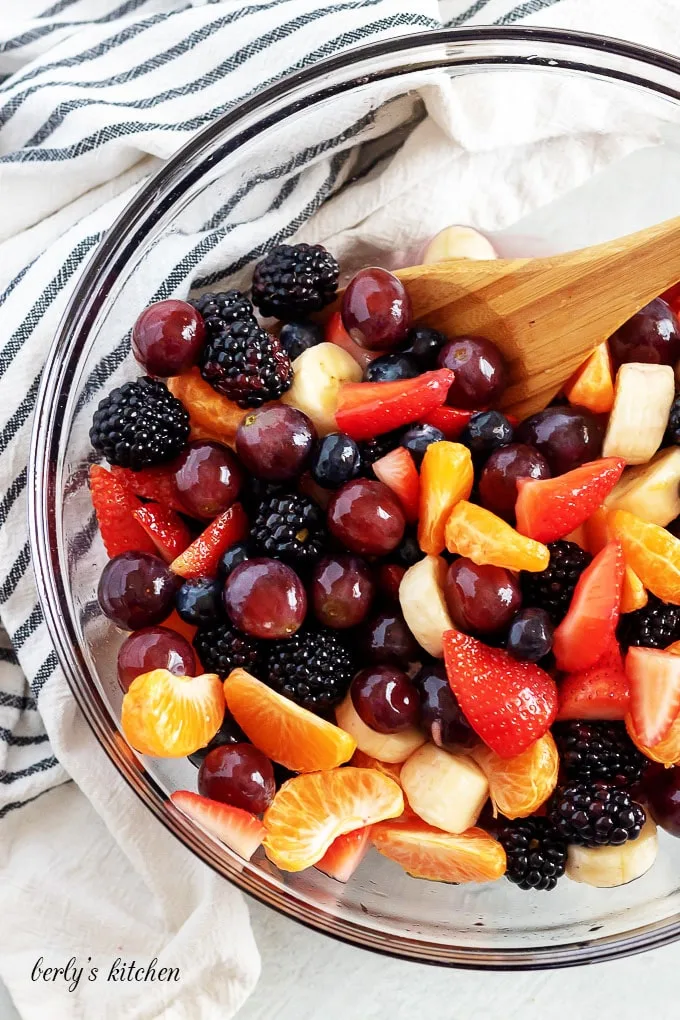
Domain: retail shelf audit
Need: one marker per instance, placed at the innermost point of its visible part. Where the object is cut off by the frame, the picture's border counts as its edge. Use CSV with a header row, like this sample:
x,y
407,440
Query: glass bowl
x,y
345,114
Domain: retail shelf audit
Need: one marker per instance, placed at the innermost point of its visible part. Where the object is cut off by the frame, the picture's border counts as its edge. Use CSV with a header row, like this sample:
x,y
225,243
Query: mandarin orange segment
x,y
667,751
426,852
285,732
446,476
592,385
365,761
310,811
519,786
210,413
168,716
484,538
651,551
598,532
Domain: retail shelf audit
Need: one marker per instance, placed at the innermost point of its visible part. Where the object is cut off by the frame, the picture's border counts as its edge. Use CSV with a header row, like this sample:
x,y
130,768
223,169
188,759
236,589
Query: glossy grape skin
x,y
530,635
481,372
391,368
342,591
651,336
265,598
240,775
208,478
229,733
275,443
385,699
336,460
235,554
386,639
440,714
389,577
417,438
136,590
498,480
168,337
297,337
366,517
154,648
566,436
199,601
485,432
662,790
376,310
424,344
481,599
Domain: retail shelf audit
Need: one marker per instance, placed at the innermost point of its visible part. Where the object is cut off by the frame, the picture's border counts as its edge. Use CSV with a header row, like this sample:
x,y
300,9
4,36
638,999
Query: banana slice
x,y
608,866
642,401
319,372
458,243
421,597
388,747
445,790
650,491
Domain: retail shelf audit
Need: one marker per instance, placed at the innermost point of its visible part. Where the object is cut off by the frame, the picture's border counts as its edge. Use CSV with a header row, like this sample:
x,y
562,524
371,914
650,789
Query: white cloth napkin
x,y
97,93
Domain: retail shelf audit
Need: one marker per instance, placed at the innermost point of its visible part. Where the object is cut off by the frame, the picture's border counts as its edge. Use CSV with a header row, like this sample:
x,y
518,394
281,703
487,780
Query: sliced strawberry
x,y
449,420
345,854
654,678
335,333
238,829
397,470
590,624
509,704
366,410
202,557
550,508
114,506
601,692
157,483
165,528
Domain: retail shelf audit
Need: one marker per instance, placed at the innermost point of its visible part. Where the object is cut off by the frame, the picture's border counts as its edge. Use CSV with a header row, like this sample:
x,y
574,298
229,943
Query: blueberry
x,y
336,459
297,337
234,555
418,438
408,552
530,635
423,344
199,601
485,432
391,368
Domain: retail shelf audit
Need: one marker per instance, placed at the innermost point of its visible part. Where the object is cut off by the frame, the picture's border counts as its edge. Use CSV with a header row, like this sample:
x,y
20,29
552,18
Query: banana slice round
x,y
609,866
318,374
458,242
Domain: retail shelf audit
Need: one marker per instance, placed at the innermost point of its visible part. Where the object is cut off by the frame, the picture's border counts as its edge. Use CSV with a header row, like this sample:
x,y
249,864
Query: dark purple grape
x,y
154,648
566,436
275,443
168,337
662,790
651,336
481,372
387,640
391,368
342,591
229,733
136,590
385,699
376,310
481,599
265,598
240,775
208,477
498,480
530,635
366,517
440,714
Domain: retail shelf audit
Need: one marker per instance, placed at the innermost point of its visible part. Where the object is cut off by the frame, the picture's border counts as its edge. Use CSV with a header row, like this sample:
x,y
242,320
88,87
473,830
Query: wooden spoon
x,y
546,314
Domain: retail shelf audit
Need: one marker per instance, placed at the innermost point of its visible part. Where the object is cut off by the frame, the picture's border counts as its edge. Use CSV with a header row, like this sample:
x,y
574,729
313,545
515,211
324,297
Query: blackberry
x,y
294,280
374,449
219,311
246,364
313,668
289,527
257,489
595,814
672,437
222,648
552,589
537,854
598,750
140,424
656,625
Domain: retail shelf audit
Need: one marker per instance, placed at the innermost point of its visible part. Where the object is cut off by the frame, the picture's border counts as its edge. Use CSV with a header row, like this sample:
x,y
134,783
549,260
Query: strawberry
x,y
654,678
590,624
335,333
238,829
165,528
397,470
601,692
114,506
202,557
366,410
449,420
157,483
345,854
509,704
550,508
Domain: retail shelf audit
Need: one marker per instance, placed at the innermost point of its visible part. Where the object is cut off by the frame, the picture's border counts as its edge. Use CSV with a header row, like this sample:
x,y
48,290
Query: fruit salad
x,y
377,612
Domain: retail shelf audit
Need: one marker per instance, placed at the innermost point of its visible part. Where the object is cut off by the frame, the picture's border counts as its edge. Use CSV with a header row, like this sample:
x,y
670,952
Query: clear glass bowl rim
x,y
542,48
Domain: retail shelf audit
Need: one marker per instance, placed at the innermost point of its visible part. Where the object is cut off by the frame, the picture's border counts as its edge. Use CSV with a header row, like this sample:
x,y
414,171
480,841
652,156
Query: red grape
x,y
240,775
229,733
498,481
154,648
385,699
652,335
566,436
387,639
265,598
390,576
662,789
376,310
275,443
366,517
440,714
481,599
342,591
208,477
481,372
136,590
168,337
